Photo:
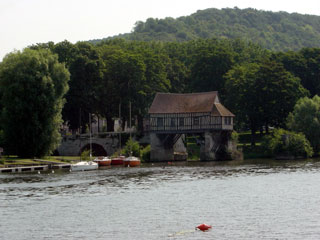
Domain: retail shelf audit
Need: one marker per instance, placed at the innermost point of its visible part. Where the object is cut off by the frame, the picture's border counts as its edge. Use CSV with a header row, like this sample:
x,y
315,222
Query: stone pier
x,y
164,146
217,145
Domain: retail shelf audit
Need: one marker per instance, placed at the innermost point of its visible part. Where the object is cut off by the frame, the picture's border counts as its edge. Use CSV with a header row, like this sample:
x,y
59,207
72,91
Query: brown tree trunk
x,y
110,124
140,123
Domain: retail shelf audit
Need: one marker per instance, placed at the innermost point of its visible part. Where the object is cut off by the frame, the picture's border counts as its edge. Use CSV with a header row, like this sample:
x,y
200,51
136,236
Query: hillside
x,y
278,31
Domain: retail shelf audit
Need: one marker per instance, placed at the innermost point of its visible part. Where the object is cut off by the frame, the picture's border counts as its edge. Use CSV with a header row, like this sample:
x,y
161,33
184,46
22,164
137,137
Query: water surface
x,y
242,200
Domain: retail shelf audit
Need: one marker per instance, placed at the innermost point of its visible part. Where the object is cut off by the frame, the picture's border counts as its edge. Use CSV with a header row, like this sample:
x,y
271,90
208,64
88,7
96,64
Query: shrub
x,y
85,155
235,136
145,153
305,118
132,148
283,142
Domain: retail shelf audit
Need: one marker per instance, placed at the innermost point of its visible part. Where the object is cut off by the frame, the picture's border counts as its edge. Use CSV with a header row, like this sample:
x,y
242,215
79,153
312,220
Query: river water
x,y
255,199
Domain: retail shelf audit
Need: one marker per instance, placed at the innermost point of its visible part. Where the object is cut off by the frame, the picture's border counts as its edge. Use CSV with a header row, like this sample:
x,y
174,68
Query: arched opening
x,y
97,150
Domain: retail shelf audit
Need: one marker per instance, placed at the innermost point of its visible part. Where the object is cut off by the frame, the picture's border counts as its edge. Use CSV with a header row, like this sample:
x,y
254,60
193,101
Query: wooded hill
x,y
278,31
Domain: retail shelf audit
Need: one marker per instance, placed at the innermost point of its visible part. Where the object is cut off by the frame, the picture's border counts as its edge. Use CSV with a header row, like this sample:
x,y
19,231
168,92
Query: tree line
x,y
277,31
259,86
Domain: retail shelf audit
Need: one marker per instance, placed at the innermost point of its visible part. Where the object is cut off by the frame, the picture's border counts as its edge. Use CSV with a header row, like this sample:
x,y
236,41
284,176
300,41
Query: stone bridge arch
x,y
101,146
97,149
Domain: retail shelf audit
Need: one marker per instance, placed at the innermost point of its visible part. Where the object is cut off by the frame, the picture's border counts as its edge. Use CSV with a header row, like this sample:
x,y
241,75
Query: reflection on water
x,y
242,200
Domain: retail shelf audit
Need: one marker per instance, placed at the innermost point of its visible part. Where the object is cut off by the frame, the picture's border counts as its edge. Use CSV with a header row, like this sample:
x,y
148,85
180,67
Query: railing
x,y
184,129
182,123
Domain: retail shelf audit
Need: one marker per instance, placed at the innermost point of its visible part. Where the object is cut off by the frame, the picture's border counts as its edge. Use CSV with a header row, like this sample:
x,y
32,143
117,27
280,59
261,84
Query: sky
x,y
27,22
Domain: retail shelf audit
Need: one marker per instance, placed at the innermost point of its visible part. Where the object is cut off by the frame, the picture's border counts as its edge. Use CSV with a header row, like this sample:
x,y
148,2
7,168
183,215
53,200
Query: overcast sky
x,y
26,22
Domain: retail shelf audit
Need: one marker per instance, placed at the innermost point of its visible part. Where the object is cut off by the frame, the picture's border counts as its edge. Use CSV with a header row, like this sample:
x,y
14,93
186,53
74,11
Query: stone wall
x,y
72,146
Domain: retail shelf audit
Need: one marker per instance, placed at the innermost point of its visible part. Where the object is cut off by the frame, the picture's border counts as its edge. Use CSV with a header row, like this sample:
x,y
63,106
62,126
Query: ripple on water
x,y
277,200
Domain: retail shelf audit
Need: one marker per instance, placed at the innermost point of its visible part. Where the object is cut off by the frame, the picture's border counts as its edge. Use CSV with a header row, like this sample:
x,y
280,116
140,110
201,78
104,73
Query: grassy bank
x,y
11,161
250,152
244,144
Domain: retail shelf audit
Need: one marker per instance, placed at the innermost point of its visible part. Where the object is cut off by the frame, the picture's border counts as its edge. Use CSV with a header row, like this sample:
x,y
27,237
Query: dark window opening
x,y
181,121
160,122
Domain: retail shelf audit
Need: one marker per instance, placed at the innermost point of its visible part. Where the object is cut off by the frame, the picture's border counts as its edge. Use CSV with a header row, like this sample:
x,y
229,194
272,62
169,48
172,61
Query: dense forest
x,y
261,87
279,31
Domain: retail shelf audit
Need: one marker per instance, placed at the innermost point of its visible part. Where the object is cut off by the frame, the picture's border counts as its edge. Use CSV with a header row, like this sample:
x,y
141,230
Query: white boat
x,y
84,166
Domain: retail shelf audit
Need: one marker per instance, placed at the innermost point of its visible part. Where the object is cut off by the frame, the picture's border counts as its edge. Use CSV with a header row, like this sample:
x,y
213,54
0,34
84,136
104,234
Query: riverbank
x,y
14,161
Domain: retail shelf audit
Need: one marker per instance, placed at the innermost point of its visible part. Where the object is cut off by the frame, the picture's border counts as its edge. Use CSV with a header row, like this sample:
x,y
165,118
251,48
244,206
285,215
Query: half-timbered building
x,y
193,112
171,116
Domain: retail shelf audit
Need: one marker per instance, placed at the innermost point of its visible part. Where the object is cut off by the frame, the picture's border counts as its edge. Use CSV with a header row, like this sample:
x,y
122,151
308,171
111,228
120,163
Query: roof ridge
x,y
198,93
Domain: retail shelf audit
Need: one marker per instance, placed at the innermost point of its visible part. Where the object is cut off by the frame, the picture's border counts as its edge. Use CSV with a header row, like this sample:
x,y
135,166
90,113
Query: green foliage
x,y
145,153
85,67
33,84
278,31
304,64
305,118
286,143
260,87
85,155
235,136
262,94
132,148
210,62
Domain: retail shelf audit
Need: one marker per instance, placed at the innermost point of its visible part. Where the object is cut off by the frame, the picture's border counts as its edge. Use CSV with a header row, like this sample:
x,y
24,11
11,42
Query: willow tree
x,y
33,84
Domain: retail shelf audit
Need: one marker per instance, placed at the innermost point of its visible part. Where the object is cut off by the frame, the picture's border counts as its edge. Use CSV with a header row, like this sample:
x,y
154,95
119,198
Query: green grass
x,y
193,149
15,161
250,152
63,158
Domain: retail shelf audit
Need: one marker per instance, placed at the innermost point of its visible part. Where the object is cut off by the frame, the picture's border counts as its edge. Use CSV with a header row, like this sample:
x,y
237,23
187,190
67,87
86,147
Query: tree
x,y
85,69
286,143
262,94
241,94
304,64
211,61
305,118
123,82
131,148
277,92
33,84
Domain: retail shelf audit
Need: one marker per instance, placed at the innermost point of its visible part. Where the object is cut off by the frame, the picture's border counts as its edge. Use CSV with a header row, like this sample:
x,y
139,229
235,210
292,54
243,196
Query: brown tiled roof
x,y
188,103
220,110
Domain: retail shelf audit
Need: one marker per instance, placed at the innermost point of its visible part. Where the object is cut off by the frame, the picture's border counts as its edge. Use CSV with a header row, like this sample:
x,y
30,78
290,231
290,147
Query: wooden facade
x,y
182,113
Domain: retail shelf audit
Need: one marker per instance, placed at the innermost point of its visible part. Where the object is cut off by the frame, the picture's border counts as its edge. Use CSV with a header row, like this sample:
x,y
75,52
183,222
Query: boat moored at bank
x,y
132,161
103,161
119,160
84,166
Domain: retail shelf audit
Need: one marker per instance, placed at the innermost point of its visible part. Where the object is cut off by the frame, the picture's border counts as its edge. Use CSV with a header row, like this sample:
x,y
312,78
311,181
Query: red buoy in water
x,y
204,227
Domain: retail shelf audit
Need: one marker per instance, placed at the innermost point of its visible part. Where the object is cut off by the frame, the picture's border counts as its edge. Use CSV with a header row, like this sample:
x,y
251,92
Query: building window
x,y
227,120
160,122
196,121
216,120
173,122
181,121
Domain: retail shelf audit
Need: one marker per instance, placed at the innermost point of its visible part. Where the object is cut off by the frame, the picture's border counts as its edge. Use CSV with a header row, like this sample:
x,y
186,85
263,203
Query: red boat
x,y
117,160
103,161
132,161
